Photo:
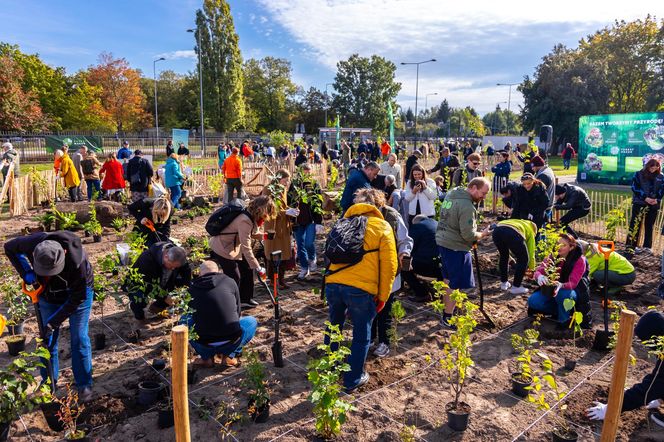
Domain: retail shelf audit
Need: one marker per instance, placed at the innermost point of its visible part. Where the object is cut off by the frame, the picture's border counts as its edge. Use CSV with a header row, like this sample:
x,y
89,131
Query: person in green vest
x,y
621,271
515,236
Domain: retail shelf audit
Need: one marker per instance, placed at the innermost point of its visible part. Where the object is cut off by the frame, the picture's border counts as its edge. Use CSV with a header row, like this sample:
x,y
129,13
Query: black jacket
x,y
307,215
425,249
69,287
138,173
510,201
410,162
216,304
575,197
643,188
452,162
150,265
143,209
533,202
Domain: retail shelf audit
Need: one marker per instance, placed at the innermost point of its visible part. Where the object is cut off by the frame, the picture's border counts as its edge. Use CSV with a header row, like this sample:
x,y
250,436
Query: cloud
x,y
178,54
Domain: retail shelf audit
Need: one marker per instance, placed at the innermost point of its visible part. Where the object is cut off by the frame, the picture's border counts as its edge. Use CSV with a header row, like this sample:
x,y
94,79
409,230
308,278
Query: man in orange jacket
x,y
232,170
385,150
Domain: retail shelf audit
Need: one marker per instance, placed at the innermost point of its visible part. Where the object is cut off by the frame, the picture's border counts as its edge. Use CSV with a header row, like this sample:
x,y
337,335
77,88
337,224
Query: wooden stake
x,y
612,418
179,339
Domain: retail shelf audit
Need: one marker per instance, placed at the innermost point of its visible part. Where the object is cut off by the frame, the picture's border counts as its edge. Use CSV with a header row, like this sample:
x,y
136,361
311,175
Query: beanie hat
x,y
651,324
537,161
560,189
49,258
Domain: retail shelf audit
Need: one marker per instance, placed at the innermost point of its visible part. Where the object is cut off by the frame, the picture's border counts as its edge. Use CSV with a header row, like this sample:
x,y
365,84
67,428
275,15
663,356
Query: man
x,y
216,317
573,199
545,174
58,262
445,161
357,179
455,235
361,290
78,157
509,193
463,176
385,149
568,154
425,260
531,150
169,147
362,148
232,170
410,162
124,153
162,268
390,167
9,157
139,174
183,152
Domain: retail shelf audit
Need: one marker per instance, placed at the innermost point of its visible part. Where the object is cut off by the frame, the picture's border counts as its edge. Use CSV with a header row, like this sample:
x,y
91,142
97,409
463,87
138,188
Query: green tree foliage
x,y
466,122
177,97
444,112
310,110
363,88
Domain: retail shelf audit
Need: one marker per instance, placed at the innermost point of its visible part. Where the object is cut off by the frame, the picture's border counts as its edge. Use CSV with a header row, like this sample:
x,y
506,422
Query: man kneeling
x,y
216,318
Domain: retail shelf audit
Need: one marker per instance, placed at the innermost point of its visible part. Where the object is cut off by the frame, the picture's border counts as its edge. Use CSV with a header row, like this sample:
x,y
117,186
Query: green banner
x,y
613,147
55,142
337,124
390,114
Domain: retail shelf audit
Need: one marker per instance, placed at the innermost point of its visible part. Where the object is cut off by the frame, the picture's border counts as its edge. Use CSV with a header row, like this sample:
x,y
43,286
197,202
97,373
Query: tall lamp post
x,y
326,103
509,101
417,83
156,108
200,87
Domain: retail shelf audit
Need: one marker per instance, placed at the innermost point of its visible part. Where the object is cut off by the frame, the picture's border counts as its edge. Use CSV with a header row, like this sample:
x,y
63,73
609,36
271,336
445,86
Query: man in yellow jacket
x,y
70,175
363,288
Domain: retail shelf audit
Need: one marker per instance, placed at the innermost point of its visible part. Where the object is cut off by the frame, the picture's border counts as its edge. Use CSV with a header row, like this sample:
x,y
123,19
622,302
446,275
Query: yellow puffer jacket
x,y
68,172
376,272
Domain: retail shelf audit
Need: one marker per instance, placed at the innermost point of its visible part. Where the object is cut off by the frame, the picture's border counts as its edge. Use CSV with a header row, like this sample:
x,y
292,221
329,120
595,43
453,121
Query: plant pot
x,y
560,435
50,410
15,329
158,364
259,415
86,429
457,419
96,238
192,375
100,341
15,344
87,234
165,418
519,386
4,431
548,290
602,339
149,392
570,364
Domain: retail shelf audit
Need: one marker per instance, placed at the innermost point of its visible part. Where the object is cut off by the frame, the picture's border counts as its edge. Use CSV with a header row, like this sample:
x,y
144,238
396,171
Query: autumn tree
x,y
19,110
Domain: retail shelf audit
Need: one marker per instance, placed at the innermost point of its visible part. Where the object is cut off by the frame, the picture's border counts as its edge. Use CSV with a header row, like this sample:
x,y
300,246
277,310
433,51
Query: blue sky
x,y
476,44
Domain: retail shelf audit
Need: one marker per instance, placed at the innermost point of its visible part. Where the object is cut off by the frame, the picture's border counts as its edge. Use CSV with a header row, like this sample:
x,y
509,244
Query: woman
x,y
173,179
301,157
157,211
420,194
531,200
647,190
515,237
502,171
91,166
222,154
463,176
69,174
572,284
111,172
231,249
280,226
307,219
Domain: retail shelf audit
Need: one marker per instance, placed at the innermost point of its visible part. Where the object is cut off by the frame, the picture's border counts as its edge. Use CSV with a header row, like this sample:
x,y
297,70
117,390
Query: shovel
x,y
34,297
479,283
277,350
150,225
602,337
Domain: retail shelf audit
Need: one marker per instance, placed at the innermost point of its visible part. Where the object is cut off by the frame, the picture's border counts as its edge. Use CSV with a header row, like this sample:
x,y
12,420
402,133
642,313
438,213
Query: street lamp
x,y
417,83
326,103
200,87
509,100
156,108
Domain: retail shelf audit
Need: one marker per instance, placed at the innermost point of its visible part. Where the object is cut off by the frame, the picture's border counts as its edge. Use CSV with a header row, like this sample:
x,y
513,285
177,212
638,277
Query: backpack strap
x,y
329,272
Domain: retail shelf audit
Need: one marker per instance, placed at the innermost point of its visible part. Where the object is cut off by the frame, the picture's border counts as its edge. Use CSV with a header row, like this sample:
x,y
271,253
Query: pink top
x,y
574,277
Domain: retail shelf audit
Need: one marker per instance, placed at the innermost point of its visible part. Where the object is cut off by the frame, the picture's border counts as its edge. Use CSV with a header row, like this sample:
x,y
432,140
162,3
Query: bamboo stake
x,y
179,339
612,418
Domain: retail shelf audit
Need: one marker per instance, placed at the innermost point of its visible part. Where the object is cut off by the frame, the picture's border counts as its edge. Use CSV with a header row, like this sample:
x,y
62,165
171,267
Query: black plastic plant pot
x,y
87,234
457,419
50,410
100,341
548,290
149,392
165,418
159,364
4,431
15,344
519,386
602,339
564,435
259,415
570,364
96,238
192,375
15,329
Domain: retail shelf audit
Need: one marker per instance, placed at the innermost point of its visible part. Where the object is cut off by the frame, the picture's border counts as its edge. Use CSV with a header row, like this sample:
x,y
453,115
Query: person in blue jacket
x,y
124,153
647,191
174,179
502,171
357,179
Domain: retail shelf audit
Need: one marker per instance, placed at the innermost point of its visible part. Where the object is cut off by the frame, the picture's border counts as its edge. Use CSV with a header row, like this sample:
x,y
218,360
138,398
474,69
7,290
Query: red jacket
x,y
113,177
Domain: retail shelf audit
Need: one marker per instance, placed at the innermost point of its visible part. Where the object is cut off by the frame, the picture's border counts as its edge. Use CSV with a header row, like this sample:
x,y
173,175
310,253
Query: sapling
x,y
256,384
635,230
118,224
530,336
398,313
70,411
655,347
614,318
407,433
100,290
576,318
614,219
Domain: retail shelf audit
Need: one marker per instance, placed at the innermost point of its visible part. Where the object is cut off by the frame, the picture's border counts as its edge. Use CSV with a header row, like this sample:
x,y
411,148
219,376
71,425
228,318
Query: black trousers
x,y
383,322
649,220
429,269
571,216
508,240
240,272
233,184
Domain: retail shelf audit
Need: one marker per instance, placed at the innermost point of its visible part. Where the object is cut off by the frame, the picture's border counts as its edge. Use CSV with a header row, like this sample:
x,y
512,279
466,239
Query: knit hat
x,y
560,189
651,324
527,176
537,161
49,258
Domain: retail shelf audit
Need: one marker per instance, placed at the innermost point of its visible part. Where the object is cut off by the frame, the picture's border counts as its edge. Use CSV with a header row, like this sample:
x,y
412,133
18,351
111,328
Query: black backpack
x,y
88,167
345,243
222,217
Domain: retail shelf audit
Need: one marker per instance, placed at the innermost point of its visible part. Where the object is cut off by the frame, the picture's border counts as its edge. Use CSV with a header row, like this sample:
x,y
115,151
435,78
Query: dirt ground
x,y
405,389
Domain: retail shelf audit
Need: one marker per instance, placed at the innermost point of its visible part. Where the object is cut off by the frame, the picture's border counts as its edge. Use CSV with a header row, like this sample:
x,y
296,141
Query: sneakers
x,y
312,266
85,395
382,350
518,290
657,418
363,380
505,285
304,273
445,322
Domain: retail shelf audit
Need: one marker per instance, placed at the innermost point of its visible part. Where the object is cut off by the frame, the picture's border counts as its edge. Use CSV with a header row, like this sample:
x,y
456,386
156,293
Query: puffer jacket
x,y
172,174
528,230
376,272
643,188
68,172
617,262
457,227
575,197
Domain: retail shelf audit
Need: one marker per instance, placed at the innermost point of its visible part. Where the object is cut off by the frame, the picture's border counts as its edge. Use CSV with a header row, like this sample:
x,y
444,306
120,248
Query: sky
x,y
476,45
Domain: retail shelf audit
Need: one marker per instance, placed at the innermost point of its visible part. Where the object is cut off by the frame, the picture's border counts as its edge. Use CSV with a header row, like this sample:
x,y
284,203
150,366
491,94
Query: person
x,y
270,154
362,148
173,179
573,199
91,167
69,175
358,178
467,151
531,200
447,164
572,284
545,174
425,260
157,211
111,173
490,151
361,290
502,171
509,193
345,154
169,147
324,149
410,162
463,176
10,157
183,152
231,249
232,170
301,158
307,220
390,188
77,158
567,154
163,267
515,237
385,150
647,192
124,153
529,152
621,272
58,262
247,151
217,318
420,193
390,167
139,173
456,234
222,154
650,390
280,225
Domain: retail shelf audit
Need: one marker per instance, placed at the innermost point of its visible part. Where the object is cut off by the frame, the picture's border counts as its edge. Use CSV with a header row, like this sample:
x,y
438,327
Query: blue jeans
x,y
176,191
248,324
93,186
305,237
566,163
552,306
362,309
81,350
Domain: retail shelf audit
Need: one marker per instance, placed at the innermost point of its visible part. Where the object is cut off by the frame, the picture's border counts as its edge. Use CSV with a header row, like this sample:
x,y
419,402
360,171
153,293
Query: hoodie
x,y
216,304
457,227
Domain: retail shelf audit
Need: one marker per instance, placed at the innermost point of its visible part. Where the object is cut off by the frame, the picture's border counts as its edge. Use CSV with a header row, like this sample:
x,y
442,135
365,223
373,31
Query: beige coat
x,y
235,241
282,232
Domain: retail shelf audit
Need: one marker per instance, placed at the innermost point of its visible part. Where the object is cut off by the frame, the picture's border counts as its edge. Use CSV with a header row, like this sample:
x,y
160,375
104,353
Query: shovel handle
x,y
150,225
606,248
33,294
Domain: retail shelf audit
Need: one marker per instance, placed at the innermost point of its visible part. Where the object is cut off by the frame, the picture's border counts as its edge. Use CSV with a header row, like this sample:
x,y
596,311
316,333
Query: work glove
x,y
542,280
380,305
30,278
597,412
320,229
530,216
262,274
292,212
559,286
652,405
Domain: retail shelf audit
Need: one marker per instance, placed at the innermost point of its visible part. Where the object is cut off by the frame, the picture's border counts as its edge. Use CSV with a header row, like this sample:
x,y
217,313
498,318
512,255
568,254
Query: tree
x,y
410,115
177,98
121,96
466,122
444,112
496,121
311,109
222,66
19,110
84,110
363,88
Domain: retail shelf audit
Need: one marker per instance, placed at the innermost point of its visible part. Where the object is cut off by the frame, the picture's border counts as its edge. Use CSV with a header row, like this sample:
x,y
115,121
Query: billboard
x,y
613,147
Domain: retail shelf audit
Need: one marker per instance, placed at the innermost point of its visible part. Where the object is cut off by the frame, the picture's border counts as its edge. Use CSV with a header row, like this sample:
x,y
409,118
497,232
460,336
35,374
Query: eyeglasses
x,y
475,164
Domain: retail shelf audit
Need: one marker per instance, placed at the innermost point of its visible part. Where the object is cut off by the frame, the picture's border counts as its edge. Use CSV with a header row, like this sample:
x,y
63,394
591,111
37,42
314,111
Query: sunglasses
x,y
476,164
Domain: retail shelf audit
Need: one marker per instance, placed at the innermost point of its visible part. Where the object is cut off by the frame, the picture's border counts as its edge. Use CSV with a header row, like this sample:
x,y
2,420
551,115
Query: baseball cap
x,y
49,258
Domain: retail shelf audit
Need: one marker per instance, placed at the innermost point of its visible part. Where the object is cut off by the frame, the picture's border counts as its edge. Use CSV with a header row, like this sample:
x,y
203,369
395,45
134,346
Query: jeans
x,y
248,324
305,237
571,216
383,322
508,240
176,191
93,186
566,163
648,218
81,350
74,193
362,309
552,306
233,184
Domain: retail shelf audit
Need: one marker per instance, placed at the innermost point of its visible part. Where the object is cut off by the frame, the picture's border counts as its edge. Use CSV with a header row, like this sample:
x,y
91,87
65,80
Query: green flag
x,y
337,124
390,114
